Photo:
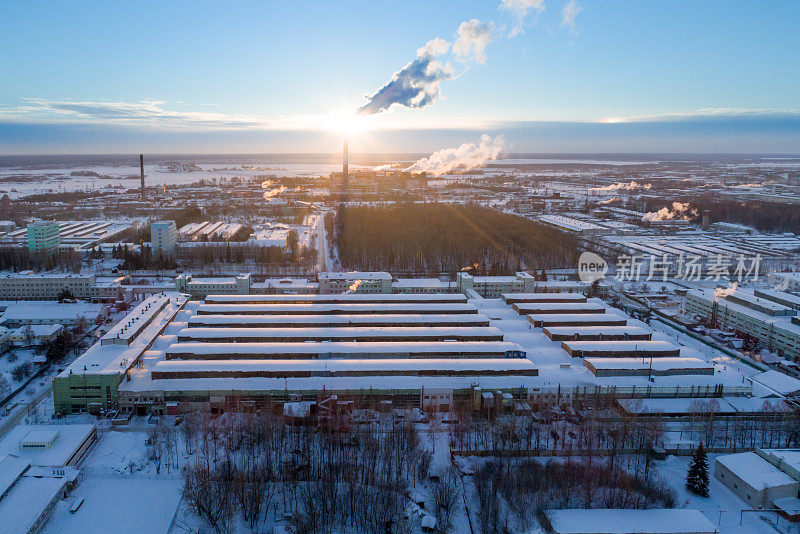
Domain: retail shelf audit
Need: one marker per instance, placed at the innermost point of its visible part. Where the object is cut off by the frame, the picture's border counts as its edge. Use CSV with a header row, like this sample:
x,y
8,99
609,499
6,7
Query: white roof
x,y
11,468
754,470
345,320
70,438
344,365
628,521
40,435
597,330
624,345
340,297
301,334
776,382
335,347
51,311
658,364
375,307
355,275
21,508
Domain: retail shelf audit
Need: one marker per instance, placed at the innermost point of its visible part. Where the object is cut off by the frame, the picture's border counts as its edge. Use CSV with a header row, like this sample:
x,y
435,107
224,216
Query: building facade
x,y
43,236
163,236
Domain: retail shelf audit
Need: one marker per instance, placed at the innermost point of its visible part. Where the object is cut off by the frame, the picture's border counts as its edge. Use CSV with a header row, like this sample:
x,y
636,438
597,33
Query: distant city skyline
x,y
254,77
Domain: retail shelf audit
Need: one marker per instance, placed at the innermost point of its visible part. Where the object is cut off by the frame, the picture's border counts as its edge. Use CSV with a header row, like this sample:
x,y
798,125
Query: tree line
x,y
437,238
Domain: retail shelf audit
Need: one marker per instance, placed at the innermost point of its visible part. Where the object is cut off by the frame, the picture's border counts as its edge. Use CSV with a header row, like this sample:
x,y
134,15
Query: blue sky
x,y
272,77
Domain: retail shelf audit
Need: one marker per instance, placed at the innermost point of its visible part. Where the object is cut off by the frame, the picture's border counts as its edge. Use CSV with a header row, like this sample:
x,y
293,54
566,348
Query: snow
x,y
355,275
344,366
28,498
323,334
610,521
772,382
37,311
121,505
339,320
328,348
11,468
642,346
70,438
344,308
658,364
337,298
754,470
577,319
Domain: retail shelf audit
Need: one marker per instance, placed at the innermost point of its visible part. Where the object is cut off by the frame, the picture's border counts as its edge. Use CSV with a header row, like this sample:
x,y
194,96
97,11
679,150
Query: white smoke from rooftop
x,y
677,211
465,157
354,287
629,186
273,192
721,293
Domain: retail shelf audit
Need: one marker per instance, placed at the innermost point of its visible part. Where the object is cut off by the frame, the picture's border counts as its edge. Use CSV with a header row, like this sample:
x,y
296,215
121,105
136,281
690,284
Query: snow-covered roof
x,y
69,439
629,521
202,350
11,467
326,333
772,382
398,366
337,298
343,308
473,319
754,470
657,364
597,330
28,498
51,311
643,346
562,319
355,275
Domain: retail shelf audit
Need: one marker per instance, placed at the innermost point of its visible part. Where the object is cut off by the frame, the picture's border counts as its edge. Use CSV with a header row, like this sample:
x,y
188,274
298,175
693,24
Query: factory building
x,y
763,314
357,282
764,478
28,285
494,286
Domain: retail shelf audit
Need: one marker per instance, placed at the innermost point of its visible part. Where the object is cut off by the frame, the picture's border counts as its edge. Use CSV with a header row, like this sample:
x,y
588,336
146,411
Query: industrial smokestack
x,y
345,158
141,174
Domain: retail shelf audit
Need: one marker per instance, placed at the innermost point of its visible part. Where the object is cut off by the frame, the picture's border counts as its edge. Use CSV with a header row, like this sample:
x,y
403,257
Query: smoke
x,y
568,16
273,192
609,200
417,84
519,10
465,157
381,168
678,210
353,287
630,186
473,38
721,293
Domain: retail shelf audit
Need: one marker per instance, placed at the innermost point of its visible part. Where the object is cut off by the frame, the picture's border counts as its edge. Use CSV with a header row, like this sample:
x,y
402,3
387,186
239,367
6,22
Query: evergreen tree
x,y
697,477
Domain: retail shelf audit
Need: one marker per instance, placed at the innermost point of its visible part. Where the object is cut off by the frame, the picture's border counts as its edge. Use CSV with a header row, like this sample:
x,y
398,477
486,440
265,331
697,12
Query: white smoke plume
x,y
678,210
354,287
721,293
273,192
630,186
473,38
519,10
568,16
386,167
417,84
465,157
609,200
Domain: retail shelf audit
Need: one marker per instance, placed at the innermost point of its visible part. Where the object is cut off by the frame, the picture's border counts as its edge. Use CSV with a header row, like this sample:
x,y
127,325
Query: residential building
x,y
43,236
163,236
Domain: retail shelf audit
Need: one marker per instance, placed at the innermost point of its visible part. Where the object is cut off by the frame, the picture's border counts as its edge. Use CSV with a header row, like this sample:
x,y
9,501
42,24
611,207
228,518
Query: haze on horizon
x,y
251,77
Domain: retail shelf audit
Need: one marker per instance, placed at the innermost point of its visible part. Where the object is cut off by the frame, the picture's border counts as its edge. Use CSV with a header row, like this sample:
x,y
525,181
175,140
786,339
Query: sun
x,y
346,122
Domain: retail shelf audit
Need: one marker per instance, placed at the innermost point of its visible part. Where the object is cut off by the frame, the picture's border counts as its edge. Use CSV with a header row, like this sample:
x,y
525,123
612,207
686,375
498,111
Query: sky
x,y
259,77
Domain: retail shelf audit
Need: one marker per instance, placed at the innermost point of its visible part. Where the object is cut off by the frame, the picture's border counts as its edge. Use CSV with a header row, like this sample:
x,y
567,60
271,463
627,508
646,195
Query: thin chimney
x,y
141,173
345,157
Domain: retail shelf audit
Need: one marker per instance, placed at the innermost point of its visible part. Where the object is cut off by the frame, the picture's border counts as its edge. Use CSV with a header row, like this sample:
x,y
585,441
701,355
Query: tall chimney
x,y
141,173
345,158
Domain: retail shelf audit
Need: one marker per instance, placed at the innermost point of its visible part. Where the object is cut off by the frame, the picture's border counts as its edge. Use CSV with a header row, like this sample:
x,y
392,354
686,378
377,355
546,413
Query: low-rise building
x,y
69,314
494,286
201,287
355,281
761,477
28,285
